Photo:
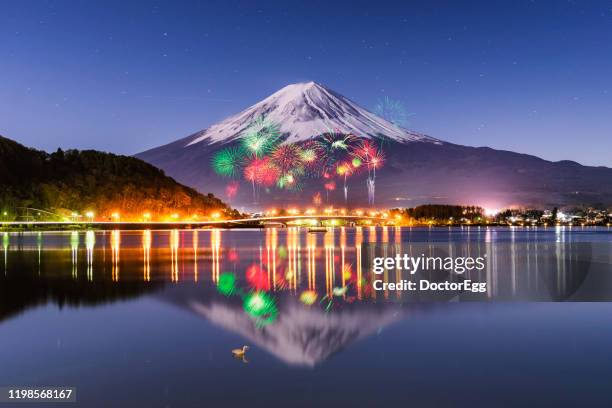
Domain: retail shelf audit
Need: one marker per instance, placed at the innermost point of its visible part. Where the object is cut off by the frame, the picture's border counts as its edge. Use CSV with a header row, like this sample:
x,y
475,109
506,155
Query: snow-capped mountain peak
x,y
305,110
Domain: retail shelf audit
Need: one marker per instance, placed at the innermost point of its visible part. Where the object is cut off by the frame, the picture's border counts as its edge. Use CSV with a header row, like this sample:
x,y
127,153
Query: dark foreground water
x,y
149,318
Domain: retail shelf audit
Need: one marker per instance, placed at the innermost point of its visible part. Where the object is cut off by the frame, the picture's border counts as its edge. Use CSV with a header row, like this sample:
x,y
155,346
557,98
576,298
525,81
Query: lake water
x,y
149,318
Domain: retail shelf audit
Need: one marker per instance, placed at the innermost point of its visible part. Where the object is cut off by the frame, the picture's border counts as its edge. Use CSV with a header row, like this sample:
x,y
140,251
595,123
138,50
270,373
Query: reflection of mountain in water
x,y
302,335
63,272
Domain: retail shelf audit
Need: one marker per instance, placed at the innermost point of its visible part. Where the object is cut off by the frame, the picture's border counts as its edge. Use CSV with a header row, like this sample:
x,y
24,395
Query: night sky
x,y
533,77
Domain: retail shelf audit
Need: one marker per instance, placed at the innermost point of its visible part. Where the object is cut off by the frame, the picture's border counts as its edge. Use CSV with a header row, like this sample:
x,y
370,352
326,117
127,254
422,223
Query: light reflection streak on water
x,y
371,249
195,255
39,246
174,246
489,262
271,244
146,254
74,251
311,240
329,261
358,244
343,265
518,265
397,239
5,247
385,253
292,257
513,258
116,253
215,246
90,243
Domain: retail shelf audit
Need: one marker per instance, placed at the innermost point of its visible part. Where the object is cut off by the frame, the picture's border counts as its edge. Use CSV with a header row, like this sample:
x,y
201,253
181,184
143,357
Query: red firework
x,y
365,150
330,185
369,154
232,189
377,159
269,173
251,170
287,157
261,171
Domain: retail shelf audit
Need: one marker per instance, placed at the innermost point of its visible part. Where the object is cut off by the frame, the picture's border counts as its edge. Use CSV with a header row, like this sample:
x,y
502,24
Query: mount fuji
x,y
306,110
418,168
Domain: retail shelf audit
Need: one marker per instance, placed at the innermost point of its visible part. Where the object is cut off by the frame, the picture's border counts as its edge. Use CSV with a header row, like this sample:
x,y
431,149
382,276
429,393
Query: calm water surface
x,y
148,318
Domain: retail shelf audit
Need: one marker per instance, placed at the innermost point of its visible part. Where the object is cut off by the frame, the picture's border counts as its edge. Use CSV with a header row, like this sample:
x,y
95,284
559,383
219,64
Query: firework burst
x,y
232,189
291,180
345,169
368,154
265,162
392,110
377,160
333,146
333,142
261,137
260,172
227,161
329,186
311,157
287,157
286,181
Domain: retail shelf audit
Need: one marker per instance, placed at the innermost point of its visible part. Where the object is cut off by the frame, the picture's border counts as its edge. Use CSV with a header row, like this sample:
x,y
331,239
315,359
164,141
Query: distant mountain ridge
x,y
90,180
418,169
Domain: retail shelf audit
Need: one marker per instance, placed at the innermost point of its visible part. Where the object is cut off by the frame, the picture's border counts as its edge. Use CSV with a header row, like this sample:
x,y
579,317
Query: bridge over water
x,y
255,222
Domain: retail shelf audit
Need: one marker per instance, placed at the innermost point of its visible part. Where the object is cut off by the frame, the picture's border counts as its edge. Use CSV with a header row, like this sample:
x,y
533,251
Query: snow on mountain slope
x,y
306,110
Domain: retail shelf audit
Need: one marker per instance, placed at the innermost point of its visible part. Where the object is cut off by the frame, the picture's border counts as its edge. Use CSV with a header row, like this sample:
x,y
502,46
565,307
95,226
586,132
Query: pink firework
x,y
329,186
232,189
377,160
364,150
261,172
251,174
251,170
372,157
269,173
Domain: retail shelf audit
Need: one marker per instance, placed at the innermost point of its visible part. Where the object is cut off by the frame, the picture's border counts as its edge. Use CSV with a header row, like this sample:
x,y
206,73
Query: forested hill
x,y
72,180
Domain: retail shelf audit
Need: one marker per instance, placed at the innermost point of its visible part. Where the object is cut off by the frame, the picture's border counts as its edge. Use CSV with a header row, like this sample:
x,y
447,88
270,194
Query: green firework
x,y
227,162
261,137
